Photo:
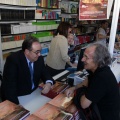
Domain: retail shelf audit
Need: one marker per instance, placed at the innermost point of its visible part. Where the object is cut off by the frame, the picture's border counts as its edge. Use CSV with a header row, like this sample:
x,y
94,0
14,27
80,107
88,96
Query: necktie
x,y
31,72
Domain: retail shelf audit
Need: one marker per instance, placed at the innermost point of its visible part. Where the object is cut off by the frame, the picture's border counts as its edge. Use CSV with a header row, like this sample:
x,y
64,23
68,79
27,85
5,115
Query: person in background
x,y
102,87
58,53
71,52
101,35
18,80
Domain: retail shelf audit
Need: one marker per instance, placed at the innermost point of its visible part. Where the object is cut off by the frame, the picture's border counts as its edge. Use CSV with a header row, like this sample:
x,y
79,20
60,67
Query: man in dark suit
x,y
17,77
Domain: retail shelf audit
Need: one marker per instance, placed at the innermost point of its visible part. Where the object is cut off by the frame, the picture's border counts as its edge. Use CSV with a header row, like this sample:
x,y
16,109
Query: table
x,y
35,100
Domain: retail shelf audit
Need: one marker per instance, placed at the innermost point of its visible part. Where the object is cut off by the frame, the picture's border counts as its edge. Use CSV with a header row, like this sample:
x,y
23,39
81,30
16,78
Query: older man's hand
x,y
46,88
69,92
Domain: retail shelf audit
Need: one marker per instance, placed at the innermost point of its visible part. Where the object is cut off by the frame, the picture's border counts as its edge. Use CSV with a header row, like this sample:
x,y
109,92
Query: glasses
x,y
36,52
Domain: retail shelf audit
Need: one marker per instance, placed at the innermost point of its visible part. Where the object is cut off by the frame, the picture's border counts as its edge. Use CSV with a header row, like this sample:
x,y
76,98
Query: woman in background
x,y
71,53
58,53
101,35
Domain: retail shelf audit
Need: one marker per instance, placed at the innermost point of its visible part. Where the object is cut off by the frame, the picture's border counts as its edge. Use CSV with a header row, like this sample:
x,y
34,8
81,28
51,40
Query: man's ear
x,y
27,51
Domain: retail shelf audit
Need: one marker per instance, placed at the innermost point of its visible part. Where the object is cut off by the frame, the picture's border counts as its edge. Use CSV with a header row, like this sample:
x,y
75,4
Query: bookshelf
x,y
69,10
16,19
47,20
19,19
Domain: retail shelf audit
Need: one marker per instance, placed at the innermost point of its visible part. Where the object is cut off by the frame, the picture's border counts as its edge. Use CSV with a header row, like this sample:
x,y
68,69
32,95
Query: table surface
x,y
35,100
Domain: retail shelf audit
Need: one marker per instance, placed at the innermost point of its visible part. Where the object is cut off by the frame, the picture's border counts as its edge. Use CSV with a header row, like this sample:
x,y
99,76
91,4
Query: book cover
x,y
47,112
57,88
64,116
72,109
32,117
61,101
6,108
73,7
65,104
64,6
51,112
19,113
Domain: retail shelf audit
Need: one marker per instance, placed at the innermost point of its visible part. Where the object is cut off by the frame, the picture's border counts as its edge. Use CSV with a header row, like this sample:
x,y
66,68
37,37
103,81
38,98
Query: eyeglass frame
x,y
36,52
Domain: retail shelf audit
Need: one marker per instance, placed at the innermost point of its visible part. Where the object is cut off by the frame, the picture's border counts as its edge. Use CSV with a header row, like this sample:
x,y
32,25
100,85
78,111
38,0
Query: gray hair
x,y
101,55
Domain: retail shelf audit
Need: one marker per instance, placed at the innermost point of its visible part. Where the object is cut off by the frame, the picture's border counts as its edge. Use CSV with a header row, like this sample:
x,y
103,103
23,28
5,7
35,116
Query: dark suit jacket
x,y
16,76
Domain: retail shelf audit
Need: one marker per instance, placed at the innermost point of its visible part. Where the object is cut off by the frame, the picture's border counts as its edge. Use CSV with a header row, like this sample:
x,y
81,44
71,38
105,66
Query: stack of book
x,y
32,117
73,110
59,108
61,101
47,3
51,112
66,104
57,88
11,111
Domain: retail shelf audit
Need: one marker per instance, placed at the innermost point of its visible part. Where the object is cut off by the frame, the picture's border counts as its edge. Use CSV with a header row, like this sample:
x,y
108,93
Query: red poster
x,y
93,9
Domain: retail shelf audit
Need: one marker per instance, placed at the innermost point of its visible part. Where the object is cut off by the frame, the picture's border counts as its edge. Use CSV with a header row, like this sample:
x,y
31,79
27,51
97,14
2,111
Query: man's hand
x,y
69,92
46,88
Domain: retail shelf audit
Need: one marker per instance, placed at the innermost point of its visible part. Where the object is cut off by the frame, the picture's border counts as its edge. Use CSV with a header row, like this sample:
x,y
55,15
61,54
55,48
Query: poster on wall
x,y
93,9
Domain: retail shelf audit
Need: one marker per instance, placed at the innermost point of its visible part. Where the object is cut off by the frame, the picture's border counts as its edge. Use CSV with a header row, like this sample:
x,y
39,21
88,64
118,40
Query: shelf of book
x,y
15,21
20,17
17,7
18,2
14,12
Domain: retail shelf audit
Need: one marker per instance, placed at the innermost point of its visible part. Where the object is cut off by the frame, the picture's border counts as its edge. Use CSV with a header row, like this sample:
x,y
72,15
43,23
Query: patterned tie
x,y
31,72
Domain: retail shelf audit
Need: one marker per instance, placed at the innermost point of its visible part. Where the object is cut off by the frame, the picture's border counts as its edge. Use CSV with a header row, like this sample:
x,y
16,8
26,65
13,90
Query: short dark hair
x,y
63,28
27,43
101,55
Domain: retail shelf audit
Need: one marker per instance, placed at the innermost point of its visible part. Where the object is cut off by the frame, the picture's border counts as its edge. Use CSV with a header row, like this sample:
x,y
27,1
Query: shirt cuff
x,y
49,81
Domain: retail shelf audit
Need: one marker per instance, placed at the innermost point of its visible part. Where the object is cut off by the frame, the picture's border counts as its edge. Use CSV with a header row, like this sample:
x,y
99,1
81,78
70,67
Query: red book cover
x,y
6,108
19,113
57,88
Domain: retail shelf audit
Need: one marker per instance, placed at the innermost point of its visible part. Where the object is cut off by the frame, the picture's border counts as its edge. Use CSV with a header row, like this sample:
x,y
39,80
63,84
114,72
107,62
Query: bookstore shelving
x,y
69,10
16,19
47,20
19,19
